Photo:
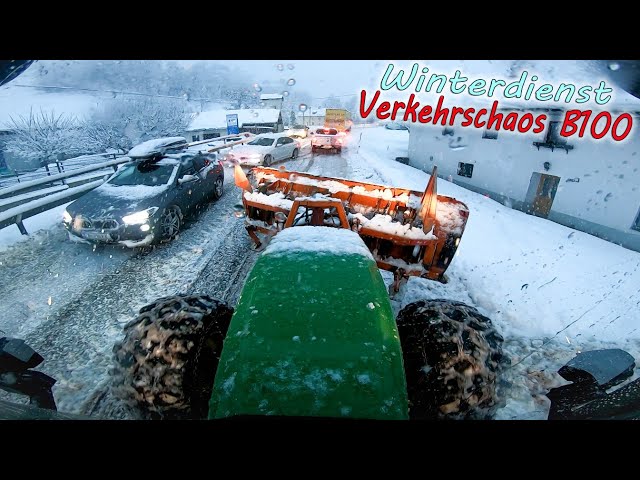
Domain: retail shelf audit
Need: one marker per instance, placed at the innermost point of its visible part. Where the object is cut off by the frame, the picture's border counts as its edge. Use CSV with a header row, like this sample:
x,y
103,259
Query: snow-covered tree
x,y
46,136
123,123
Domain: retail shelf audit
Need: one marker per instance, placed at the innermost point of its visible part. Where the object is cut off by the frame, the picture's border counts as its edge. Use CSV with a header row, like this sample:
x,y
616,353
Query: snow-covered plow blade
x,y
408,232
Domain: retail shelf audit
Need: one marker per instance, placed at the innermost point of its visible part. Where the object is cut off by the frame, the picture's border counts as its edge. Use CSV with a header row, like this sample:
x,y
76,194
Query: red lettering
x,y
468,120
569,124
380,112
510,122
528,117
455,111
424,116
440,112
607,125
614,130
364,113
396,106
494,117
411,108
482,111
540,123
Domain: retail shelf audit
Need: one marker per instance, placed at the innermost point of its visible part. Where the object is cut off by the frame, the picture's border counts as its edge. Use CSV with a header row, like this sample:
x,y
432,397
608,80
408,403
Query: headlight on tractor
x,y
139,218
66,217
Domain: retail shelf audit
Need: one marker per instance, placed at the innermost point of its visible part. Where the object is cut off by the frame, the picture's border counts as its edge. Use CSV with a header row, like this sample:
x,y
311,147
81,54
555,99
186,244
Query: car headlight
x,y
255,155
139,217
66,217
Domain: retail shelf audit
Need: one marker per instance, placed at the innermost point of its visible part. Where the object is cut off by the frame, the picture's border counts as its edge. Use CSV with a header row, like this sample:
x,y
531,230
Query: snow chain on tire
x,y
166,363
452,360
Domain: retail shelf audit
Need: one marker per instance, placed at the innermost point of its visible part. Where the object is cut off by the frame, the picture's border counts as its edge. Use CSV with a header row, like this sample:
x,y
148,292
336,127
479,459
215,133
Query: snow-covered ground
x,y
39,227
551,290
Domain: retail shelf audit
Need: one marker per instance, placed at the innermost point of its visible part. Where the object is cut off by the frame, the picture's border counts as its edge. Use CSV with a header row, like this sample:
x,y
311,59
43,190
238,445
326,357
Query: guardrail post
x,y
20,225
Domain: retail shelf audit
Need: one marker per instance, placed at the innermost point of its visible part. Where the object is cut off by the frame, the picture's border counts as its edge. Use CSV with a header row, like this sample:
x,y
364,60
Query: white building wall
x,y
608,191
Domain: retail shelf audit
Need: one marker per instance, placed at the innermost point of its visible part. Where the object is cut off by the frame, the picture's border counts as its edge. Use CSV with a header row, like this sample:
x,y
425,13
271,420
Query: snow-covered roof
x,y
313,112
218,118
271,96
157,145
19,101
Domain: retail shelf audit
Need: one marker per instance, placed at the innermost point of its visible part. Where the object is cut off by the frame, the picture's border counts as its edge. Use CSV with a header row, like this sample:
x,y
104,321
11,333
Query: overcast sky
x,y
320,78
323,78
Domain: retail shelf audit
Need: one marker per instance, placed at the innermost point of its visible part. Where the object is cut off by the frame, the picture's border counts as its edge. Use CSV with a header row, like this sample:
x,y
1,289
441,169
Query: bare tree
x,y
124,123
47,137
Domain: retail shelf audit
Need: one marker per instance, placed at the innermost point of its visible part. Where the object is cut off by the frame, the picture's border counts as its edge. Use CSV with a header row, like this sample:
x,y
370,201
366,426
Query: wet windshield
x,y
143,174
263,142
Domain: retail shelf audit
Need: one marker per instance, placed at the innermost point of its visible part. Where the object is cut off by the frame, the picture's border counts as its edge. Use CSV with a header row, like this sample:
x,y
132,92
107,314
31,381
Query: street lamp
x,y
303,108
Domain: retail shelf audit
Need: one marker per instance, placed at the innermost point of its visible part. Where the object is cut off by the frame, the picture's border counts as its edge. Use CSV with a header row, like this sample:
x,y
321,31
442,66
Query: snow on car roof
x,y
150,147
323,240
218,118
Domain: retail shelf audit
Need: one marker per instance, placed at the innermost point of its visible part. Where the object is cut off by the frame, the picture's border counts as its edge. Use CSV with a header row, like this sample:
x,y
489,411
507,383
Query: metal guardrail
x,y
13,177
18,214
16,206
4,192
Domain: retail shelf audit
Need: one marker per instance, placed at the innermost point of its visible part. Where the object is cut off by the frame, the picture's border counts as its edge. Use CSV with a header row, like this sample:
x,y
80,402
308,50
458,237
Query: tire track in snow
x,y
77,340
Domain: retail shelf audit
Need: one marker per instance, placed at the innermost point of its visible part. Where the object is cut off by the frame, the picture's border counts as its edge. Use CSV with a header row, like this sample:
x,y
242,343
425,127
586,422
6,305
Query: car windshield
x,y
144,173
299,127
263,142
327,131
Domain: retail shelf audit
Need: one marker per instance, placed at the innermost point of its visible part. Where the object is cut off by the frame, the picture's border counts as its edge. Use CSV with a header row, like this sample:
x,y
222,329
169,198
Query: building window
x,y
207,136
465,169
490,134
553,134
636,223
553,139
195,138
447,131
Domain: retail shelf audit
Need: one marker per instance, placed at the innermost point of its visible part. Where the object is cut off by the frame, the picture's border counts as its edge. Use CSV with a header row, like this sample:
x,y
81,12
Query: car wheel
x,y
295,153
453,360
267,160
218,188
166,364
169,224
339,150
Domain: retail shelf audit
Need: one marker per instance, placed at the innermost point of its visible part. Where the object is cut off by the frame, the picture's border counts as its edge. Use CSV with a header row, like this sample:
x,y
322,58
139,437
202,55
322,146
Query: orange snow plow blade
x,y
408,232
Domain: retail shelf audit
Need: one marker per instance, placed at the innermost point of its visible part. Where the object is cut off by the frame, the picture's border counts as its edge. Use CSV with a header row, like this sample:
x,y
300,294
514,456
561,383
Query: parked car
x,y
299,131
395,126
327,139
146,200
264,150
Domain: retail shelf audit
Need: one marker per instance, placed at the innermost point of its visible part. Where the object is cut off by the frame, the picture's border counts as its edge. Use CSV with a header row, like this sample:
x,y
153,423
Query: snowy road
x,y
551,293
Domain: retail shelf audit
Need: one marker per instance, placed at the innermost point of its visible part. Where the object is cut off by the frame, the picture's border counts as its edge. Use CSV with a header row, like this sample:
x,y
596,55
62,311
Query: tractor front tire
x,y
453,360
166,364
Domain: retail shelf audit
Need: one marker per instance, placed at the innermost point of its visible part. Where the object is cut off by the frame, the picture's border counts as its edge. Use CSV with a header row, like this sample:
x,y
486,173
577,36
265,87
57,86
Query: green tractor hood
x,y
313,334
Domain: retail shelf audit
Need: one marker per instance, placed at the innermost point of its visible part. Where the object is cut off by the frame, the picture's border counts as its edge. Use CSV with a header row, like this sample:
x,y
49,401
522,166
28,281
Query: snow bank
x,y
552,291
384,223
448,215
37,226
337,241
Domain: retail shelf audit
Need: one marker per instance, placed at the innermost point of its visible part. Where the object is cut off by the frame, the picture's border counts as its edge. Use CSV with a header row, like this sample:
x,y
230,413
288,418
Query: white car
x,y
264,150
300,131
